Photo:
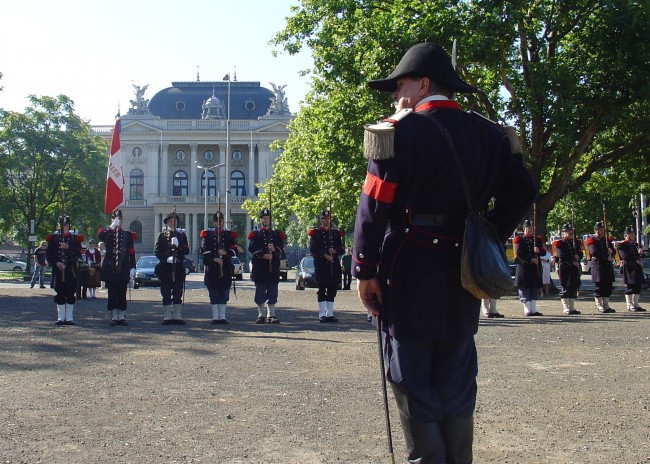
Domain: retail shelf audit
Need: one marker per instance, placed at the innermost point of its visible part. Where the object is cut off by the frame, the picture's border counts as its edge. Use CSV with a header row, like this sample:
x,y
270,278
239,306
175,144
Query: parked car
x,y
8,264
305,275
585,265
145,272
238,269
646,283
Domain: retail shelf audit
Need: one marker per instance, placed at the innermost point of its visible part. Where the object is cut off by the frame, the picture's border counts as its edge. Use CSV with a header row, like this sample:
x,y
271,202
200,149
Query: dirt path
x,y
551,390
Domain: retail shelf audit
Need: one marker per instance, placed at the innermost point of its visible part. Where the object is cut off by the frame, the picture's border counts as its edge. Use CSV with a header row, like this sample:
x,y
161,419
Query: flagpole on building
x,y
227,173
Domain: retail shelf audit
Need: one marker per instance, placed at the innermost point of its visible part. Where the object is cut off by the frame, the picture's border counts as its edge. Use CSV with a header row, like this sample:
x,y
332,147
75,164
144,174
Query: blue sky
x,y
94,52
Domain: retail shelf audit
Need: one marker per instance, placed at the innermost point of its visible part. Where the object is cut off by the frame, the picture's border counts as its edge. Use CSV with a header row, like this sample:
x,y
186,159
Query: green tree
x,y
44,151
570,75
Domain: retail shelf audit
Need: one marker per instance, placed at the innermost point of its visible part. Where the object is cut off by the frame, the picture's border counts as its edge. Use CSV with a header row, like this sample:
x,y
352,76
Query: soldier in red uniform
x,y
218,246
267,246
601,249
568,253
528,277
326,246
412,210
631,255
63,252
118,267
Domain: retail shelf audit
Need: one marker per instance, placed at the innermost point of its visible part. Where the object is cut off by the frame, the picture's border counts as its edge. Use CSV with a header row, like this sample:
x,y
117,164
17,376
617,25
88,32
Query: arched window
x,y
179,182
238,184
136,227
137,185
212,184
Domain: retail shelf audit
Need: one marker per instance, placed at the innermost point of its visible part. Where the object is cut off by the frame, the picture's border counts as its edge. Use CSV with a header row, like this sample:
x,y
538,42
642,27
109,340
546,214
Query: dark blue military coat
x,y
164,249
258,245
55,254
416,193
566,251
602,269
216,276
120,254
320,241
631,269
528,274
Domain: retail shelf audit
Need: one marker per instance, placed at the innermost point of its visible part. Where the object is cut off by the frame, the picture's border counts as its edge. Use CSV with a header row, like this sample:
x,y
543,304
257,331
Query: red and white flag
x,y
114,194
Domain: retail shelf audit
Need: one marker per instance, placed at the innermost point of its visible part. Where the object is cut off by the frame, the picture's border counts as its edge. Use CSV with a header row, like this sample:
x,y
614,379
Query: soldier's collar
x,y
427,104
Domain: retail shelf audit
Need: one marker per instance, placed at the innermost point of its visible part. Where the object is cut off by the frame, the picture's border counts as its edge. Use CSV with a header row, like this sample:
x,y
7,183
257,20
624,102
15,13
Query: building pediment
x,y
275,126
137,126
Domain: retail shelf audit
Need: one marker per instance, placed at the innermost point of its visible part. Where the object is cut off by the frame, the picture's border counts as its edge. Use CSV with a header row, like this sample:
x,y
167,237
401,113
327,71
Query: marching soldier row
x,y
218,246
568,255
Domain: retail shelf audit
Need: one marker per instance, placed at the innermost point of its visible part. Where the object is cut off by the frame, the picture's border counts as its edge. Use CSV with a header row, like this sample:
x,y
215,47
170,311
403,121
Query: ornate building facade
x,y
193,139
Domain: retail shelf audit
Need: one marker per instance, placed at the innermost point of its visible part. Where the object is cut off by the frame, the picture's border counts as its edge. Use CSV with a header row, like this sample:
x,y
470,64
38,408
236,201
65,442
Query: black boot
x,y
458,433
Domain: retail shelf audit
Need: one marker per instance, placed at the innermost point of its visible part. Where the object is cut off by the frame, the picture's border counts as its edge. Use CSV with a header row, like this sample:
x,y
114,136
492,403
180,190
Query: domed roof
x,y
184,100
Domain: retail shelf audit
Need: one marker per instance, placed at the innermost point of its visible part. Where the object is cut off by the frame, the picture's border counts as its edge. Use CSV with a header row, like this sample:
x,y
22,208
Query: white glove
x,y
174,241
132,274
115,224
170,260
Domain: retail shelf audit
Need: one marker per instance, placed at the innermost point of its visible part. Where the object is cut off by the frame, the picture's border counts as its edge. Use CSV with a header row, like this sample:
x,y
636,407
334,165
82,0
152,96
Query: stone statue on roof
x,y
279,103
140,105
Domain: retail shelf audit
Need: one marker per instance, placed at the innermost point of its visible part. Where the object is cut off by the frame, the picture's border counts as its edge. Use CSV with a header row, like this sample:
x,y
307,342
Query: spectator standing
x,y
94,260
39,265
346,265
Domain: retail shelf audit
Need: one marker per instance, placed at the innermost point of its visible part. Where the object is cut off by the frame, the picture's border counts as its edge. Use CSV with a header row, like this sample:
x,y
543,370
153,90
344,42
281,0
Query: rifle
x,y
62,254
609,251
539,263
270,228
218,231
637,221
573,231
329,234
170,235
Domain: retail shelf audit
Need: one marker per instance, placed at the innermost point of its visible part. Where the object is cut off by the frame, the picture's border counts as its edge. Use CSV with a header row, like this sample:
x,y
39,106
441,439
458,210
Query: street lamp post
x,y
205,189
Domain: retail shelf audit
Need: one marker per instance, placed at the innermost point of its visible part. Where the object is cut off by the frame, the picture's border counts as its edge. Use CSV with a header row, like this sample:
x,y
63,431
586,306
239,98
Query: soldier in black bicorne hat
x,y
171,249
411,210
631,255
218,246
63,253
266,246
601,249
568,254
326,246
118,266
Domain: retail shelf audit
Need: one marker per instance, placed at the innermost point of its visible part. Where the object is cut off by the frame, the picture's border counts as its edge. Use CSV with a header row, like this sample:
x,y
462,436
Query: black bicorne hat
x,y
216,216
528,223
65,220
628,231
117,212
265,212
599,225
566,227
424,60
324,214
171,215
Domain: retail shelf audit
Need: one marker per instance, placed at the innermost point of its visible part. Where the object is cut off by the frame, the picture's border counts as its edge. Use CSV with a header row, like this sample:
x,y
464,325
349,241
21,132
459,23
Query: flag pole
x,y
227,173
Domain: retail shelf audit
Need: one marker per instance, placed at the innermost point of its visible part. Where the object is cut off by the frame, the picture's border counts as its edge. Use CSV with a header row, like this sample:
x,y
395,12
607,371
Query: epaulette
x,y
378,139
252,234
510,131
203,234
48,238
340,233
80,238
281,235
516,239
311,232
134,236
233,234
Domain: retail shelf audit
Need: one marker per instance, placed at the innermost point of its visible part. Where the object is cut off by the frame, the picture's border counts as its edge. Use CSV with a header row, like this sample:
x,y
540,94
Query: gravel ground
x,y
552,389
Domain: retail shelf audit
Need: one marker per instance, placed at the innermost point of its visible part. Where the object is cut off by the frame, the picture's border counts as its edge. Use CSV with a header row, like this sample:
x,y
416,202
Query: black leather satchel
x,y
484,269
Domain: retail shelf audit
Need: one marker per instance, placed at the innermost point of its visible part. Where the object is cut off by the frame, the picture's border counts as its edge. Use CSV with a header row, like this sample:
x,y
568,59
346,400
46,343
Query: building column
x,y
151,183
164,172
194,172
